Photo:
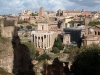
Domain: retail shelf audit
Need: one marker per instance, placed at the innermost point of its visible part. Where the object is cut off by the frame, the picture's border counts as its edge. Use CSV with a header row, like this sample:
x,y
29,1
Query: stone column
x,y
46,42
37,41
32,38
40,41
50,40
43,41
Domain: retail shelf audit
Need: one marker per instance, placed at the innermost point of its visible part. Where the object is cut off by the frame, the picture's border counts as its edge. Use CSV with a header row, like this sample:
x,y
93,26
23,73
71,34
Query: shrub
x,y
43,57
55,50
58,43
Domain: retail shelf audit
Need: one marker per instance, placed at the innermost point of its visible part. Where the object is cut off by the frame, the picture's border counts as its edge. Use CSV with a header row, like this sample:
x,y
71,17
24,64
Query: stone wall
x,y
8,28
6,55
7,31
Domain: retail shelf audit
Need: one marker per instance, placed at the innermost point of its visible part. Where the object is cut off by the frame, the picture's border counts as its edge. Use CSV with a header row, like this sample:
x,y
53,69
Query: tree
x,y
55,50
18,28
29,27
21,27
34,14
58,43
88,61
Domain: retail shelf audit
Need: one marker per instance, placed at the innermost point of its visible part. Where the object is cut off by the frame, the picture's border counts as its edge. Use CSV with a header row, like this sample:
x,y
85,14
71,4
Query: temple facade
x,y
42,37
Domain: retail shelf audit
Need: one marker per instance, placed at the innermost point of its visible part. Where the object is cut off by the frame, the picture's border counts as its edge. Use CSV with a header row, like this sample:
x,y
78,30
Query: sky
x,y
15,6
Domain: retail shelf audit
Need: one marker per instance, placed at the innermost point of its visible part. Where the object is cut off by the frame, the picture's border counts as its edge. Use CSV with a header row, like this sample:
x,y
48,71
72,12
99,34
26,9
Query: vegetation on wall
x,y
4,40
3,72
22,21
34,25
93,23
32,49
82,22
29,27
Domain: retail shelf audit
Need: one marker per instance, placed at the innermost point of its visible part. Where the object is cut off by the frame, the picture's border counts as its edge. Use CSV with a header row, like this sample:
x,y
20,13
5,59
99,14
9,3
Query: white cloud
x,y
15,6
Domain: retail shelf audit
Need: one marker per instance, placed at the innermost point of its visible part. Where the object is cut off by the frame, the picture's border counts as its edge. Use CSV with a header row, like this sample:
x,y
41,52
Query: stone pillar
x,y
37,41
40,41
49,40
15,22
43,41
32,38
46,41
2,23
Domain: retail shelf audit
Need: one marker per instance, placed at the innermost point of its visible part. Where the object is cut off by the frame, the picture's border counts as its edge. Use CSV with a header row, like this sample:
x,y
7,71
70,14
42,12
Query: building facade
x,y
42,37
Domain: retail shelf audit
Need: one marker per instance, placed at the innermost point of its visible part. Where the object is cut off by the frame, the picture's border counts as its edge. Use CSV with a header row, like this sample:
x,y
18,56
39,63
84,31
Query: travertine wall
x,y
8,28
6,55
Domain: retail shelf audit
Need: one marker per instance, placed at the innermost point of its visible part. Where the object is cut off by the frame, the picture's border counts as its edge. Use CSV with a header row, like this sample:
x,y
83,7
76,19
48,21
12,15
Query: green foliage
x,y
18,28
21,21
76,22
21,27
58,43
72,51
34,25
88,61
66,51
55,50
34,14
32,49
3,72
29,27
93,23
43,57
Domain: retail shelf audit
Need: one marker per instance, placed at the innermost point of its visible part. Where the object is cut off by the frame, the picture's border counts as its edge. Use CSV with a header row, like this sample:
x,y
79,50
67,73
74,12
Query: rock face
x,y
6,55
14,57
22,61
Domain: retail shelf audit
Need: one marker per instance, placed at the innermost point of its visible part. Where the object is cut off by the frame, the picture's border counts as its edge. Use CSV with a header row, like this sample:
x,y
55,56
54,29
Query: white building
x,y
42,37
